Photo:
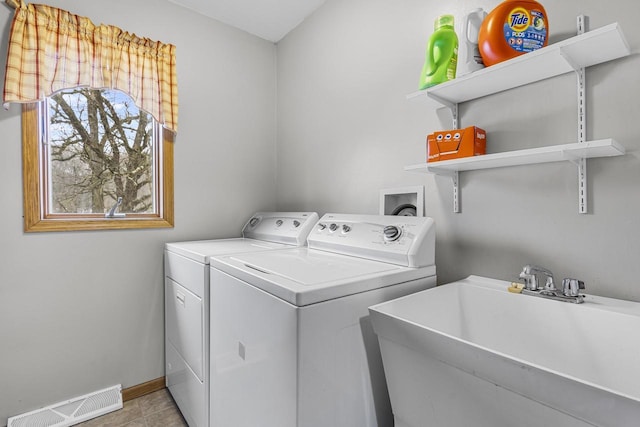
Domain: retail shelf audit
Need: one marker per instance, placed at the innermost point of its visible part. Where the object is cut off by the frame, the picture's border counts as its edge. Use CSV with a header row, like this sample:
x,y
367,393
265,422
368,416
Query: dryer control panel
x,y
402,240
281,227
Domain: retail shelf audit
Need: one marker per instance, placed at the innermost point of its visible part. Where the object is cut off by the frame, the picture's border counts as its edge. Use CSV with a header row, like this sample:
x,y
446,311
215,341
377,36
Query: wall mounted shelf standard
x,y
572,55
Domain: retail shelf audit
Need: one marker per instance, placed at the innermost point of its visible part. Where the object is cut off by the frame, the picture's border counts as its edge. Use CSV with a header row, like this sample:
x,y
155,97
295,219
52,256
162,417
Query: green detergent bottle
x,y
441,58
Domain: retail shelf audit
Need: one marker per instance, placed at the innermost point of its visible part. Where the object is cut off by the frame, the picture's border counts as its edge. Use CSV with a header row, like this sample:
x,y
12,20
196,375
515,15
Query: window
x,y
93,160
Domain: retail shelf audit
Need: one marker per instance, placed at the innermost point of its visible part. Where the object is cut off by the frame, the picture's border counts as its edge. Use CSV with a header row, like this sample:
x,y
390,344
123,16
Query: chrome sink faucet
x,y
570,287
529,275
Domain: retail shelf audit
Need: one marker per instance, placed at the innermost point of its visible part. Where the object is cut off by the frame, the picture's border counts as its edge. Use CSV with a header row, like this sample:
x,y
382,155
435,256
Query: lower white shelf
x,y
574,153
549,154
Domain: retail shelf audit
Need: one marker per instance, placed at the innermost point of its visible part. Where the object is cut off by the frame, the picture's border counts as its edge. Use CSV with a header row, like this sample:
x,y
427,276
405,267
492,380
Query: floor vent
x,y
72,411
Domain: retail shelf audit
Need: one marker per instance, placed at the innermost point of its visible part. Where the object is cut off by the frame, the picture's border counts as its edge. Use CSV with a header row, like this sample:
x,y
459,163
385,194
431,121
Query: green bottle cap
x,y
444,21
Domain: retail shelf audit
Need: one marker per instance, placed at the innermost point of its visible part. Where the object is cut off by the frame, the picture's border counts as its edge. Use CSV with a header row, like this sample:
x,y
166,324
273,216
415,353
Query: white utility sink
x,y
471,353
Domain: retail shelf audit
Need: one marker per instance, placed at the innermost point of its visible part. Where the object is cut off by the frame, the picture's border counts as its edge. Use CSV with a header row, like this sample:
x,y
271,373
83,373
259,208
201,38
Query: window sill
x,y
95,224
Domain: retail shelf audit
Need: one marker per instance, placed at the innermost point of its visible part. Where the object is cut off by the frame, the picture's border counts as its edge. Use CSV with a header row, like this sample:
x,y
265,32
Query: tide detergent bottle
x,y
513,28
441,58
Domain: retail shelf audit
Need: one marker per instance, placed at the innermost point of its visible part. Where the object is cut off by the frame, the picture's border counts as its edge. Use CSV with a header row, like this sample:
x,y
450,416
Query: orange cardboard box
x,y
456,143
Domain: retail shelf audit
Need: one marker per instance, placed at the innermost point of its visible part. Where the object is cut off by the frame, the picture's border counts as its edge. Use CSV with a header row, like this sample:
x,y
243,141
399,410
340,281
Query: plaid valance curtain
x,y
51,49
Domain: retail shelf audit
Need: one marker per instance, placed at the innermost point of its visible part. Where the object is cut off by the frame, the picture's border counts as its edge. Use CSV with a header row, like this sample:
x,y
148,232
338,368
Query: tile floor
x,y
156,409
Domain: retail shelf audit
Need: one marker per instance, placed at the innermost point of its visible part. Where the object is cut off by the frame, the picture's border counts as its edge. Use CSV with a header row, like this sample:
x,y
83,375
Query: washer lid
x,y
303,276
313,268
200,250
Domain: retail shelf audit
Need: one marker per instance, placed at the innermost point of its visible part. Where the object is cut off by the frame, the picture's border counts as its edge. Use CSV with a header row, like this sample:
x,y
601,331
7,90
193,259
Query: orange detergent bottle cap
x,y
513,28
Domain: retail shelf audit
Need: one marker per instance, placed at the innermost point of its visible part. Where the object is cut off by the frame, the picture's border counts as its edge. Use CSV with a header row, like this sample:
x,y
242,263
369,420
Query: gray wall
x,y
345,130
81,311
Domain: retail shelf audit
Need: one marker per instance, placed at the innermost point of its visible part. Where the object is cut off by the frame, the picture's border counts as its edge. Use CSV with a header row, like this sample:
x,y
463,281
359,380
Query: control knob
x,y
254,221
279,223
333,227
296,223
391,233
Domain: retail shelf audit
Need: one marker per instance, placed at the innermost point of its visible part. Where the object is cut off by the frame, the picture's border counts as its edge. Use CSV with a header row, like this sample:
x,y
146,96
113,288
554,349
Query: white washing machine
x,y
291,340
187,306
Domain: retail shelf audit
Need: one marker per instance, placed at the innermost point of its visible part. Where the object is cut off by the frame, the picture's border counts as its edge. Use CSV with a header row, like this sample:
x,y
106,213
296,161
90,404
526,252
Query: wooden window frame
x,y
32,184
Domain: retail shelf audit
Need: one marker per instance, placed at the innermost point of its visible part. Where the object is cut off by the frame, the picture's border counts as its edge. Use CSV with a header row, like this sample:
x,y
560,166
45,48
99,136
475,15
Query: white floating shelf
x,y
555,153
593,47
574,153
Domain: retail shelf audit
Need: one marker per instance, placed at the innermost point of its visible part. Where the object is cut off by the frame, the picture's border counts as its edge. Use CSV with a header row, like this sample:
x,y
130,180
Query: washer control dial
x,y
333,227
322,226
279,223
254,221
392,233
296,223
346,228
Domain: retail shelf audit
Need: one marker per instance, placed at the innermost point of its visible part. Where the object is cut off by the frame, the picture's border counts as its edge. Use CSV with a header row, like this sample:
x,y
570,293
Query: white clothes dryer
x,y
291,340
187,307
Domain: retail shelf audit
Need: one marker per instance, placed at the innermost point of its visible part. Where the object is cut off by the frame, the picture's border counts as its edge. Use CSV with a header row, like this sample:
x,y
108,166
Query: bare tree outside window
x,y
100,148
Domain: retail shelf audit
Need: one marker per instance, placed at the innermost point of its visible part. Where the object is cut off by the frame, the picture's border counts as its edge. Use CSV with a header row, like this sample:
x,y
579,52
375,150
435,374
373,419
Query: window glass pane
x,y
100,147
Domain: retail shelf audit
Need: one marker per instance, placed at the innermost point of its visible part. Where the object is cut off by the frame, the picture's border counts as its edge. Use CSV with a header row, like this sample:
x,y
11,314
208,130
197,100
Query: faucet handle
x,y
550,286
572,287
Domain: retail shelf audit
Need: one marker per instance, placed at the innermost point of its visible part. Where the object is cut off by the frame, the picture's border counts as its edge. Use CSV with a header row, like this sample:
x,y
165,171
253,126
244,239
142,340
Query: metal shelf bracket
x,y
456,192
452,106
454,175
